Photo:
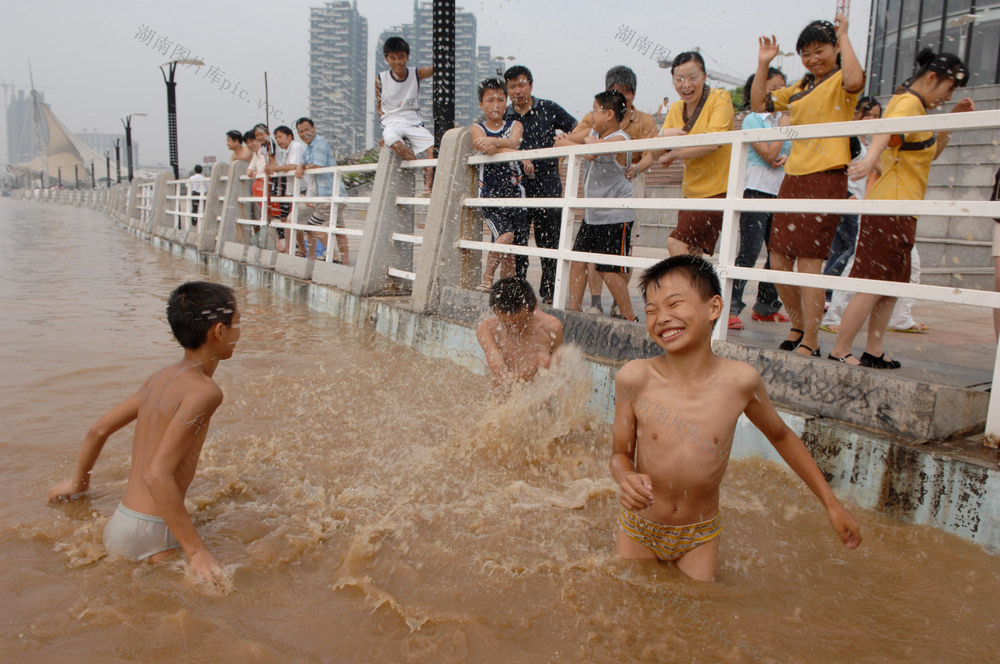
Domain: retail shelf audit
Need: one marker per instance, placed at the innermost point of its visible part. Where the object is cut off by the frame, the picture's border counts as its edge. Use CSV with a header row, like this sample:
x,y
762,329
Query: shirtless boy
x,y
675,416
519,339
172,411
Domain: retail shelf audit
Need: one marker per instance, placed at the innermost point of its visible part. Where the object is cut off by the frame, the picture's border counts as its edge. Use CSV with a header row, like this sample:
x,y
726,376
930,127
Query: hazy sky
x,y
93,70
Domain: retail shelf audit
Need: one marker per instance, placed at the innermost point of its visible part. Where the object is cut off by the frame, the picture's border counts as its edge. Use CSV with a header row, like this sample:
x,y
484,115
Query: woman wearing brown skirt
x,y
884,243
816,168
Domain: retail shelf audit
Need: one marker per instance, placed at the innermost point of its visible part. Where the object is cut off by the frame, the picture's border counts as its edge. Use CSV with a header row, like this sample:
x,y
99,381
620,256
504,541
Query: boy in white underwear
x,y
172,412
675,416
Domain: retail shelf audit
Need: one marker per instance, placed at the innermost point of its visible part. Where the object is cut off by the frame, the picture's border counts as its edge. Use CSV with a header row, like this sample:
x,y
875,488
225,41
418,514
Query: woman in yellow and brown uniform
x,y
701,110
884,243
816,168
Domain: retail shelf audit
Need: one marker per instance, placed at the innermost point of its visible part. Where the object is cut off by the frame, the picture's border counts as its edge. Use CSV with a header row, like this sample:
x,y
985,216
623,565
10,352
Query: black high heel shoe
x,y
789,344
872,362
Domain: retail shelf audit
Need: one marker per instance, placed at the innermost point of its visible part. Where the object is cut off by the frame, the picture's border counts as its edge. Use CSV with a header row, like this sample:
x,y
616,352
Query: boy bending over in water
x,y
675,416
172,411
518,340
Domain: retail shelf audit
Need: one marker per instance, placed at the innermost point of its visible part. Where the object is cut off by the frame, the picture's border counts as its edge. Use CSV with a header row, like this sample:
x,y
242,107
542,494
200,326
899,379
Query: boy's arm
x,y
761,412
425,72
636,488
93,443
187,426
378,95
494,357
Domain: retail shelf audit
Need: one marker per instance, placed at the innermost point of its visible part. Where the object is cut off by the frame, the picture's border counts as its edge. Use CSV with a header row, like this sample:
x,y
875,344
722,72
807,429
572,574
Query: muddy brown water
x,y
374,505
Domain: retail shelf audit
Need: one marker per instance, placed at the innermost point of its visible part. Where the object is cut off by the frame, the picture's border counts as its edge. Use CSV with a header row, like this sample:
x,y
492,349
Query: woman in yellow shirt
x,y
884,243
816,168
701,110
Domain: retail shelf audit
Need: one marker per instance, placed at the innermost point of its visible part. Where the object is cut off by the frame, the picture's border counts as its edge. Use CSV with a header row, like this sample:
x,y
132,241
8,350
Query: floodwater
x,y
374,506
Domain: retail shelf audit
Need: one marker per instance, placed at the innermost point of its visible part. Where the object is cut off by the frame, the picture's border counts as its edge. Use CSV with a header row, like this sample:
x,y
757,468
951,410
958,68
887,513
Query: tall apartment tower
x,y
338,74
420,36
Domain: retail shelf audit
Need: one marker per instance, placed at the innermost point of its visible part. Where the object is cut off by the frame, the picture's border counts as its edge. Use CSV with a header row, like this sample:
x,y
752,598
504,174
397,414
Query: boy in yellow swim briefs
x,y
675,416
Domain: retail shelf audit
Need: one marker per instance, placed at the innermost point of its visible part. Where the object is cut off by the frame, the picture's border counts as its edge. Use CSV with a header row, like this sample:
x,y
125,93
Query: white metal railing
x,y
146,201
734,203
413,239
296,199
180,206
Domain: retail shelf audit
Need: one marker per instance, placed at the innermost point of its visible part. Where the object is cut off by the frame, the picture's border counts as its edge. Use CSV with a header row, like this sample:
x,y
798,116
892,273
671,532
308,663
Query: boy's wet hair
x,y
511,295
768,102
517,70
194,307
395,45
249,136
491,84
699,271
620,75
235,134
612,100
688,56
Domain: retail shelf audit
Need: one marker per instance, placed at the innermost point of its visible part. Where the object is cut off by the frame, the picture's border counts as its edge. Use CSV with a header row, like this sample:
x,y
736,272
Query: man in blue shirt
x,y
319,155
541,119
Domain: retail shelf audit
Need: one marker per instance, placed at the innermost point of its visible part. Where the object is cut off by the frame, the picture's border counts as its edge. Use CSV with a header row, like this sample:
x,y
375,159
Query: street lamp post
x,y
172,108
963,33
127,123
500,64
118,161
59,175
107,162
93,176
76,174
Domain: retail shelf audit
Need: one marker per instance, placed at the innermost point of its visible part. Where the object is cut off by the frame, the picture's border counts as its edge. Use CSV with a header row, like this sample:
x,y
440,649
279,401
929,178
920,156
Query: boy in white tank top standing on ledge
x,y
397,99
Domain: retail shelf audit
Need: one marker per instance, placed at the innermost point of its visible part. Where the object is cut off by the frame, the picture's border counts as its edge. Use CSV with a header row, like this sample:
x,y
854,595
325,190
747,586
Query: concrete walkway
x,y
958,350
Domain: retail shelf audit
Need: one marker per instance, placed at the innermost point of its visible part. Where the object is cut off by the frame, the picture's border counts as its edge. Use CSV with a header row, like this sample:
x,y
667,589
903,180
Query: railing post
x,y
728,240
384,218
231,206
158,206
566,230
440,261
210,210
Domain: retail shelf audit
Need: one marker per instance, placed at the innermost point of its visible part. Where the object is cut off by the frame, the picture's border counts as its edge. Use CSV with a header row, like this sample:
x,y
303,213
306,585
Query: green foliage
x,y
351,179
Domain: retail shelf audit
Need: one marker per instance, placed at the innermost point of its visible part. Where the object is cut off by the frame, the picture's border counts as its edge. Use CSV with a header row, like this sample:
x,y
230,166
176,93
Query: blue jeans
x,y
755,231
842,247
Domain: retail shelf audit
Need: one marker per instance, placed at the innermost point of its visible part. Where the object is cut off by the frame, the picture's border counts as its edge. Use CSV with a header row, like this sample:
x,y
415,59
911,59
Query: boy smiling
x,y
669,468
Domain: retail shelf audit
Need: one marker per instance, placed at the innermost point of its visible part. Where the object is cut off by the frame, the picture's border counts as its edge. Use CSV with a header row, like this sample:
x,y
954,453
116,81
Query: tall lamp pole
x,y
107,162
444,68
127,123
168,78
118,161
93,176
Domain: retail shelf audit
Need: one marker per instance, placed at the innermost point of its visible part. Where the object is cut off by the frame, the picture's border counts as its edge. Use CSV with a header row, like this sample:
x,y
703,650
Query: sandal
x,y
815,352
483,288
839,359
872,362
789,344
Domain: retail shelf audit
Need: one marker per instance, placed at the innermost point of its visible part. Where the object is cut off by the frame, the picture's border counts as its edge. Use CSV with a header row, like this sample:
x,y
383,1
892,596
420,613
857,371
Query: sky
x,y
90,61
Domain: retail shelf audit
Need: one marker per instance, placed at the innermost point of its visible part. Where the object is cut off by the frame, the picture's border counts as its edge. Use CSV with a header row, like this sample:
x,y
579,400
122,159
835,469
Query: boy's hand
x,y
845,525
67,490
666,158
636,492
485,144
529,166
205,567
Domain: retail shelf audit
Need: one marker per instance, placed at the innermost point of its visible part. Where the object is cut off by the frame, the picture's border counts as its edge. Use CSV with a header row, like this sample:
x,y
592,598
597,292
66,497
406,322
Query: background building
x,y
20,128
900,28
338,74
420,36
105,143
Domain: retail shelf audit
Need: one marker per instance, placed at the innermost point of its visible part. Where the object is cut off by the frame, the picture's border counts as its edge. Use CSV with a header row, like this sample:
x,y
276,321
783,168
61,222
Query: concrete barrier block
x,y
333,274
931,253
959,256
294,266
932,227
971,229
235,251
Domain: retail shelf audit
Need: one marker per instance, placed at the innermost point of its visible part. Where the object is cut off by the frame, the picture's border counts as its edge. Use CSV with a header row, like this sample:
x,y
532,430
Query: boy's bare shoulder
x,y
634,373
488,325
741,373
548,322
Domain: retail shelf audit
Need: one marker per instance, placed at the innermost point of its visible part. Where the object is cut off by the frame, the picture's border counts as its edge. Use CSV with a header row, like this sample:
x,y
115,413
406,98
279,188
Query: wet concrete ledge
x,y
952,485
